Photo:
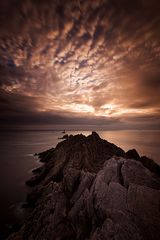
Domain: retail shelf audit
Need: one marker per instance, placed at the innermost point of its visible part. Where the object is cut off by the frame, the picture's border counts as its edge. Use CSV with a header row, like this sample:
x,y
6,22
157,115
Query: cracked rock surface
x,y
89,189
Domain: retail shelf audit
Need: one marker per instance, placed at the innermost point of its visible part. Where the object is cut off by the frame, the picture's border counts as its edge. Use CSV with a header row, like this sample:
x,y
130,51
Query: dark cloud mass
x,y
80,62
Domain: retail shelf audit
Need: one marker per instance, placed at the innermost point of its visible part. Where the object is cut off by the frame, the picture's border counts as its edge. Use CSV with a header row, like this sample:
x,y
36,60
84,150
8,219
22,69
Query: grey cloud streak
x,y
98,58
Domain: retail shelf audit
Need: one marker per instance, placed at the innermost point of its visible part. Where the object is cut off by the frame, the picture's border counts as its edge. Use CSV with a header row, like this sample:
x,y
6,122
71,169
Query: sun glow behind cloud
x,y
75,58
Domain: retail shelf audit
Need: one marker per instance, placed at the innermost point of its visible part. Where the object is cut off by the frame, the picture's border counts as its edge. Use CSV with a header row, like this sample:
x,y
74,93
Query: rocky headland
x,y
90,189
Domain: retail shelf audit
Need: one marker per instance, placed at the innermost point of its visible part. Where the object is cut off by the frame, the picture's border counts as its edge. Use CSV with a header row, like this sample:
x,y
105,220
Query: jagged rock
x,y
37,170
133,154
46,155
78,152
150,164
85,183
117,225
134,172
144,202
40,175
92,191
71,179
64,137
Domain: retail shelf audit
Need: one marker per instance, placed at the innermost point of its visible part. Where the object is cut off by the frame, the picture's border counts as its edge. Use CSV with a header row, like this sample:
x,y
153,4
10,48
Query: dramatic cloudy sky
x,y
80,62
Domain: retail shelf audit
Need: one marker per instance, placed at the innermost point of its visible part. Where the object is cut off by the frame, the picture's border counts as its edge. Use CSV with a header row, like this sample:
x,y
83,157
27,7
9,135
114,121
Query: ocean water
x,y
17,160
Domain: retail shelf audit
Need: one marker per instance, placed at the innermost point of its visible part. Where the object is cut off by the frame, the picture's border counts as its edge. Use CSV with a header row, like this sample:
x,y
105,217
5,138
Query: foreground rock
x,y
90,189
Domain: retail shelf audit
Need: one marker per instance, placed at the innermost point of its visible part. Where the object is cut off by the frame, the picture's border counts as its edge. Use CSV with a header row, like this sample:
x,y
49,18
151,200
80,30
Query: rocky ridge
x,y
90,189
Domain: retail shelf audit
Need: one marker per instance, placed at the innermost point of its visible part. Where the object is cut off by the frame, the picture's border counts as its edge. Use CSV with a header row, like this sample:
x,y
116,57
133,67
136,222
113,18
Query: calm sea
x,y
17,161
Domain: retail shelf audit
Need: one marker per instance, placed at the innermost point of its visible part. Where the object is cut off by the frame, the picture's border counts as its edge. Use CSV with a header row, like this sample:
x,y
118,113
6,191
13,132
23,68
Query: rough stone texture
x,y
134,172
92,191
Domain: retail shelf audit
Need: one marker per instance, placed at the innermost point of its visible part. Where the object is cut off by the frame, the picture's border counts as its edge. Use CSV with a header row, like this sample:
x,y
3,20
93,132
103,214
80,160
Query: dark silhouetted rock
x,y
40,175
133,154
37,170
150,164
91,190
64,137
46,155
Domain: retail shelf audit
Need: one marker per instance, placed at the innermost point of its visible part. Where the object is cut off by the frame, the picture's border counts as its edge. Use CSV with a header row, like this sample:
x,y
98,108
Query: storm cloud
x,y
80,62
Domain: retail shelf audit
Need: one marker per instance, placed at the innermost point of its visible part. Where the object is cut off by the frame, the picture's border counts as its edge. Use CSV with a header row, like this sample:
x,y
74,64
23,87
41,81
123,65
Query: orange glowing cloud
x,y
74,58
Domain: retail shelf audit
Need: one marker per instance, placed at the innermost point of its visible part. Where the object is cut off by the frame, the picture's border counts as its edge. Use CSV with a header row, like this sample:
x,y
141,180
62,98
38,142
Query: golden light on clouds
x,y
74,58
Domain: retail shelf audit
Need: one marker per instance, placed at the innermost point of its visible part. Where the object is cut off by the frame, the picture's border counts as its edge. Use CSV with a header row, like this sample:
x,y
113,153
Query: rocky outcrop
x,y
150,164
88,189
133,154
